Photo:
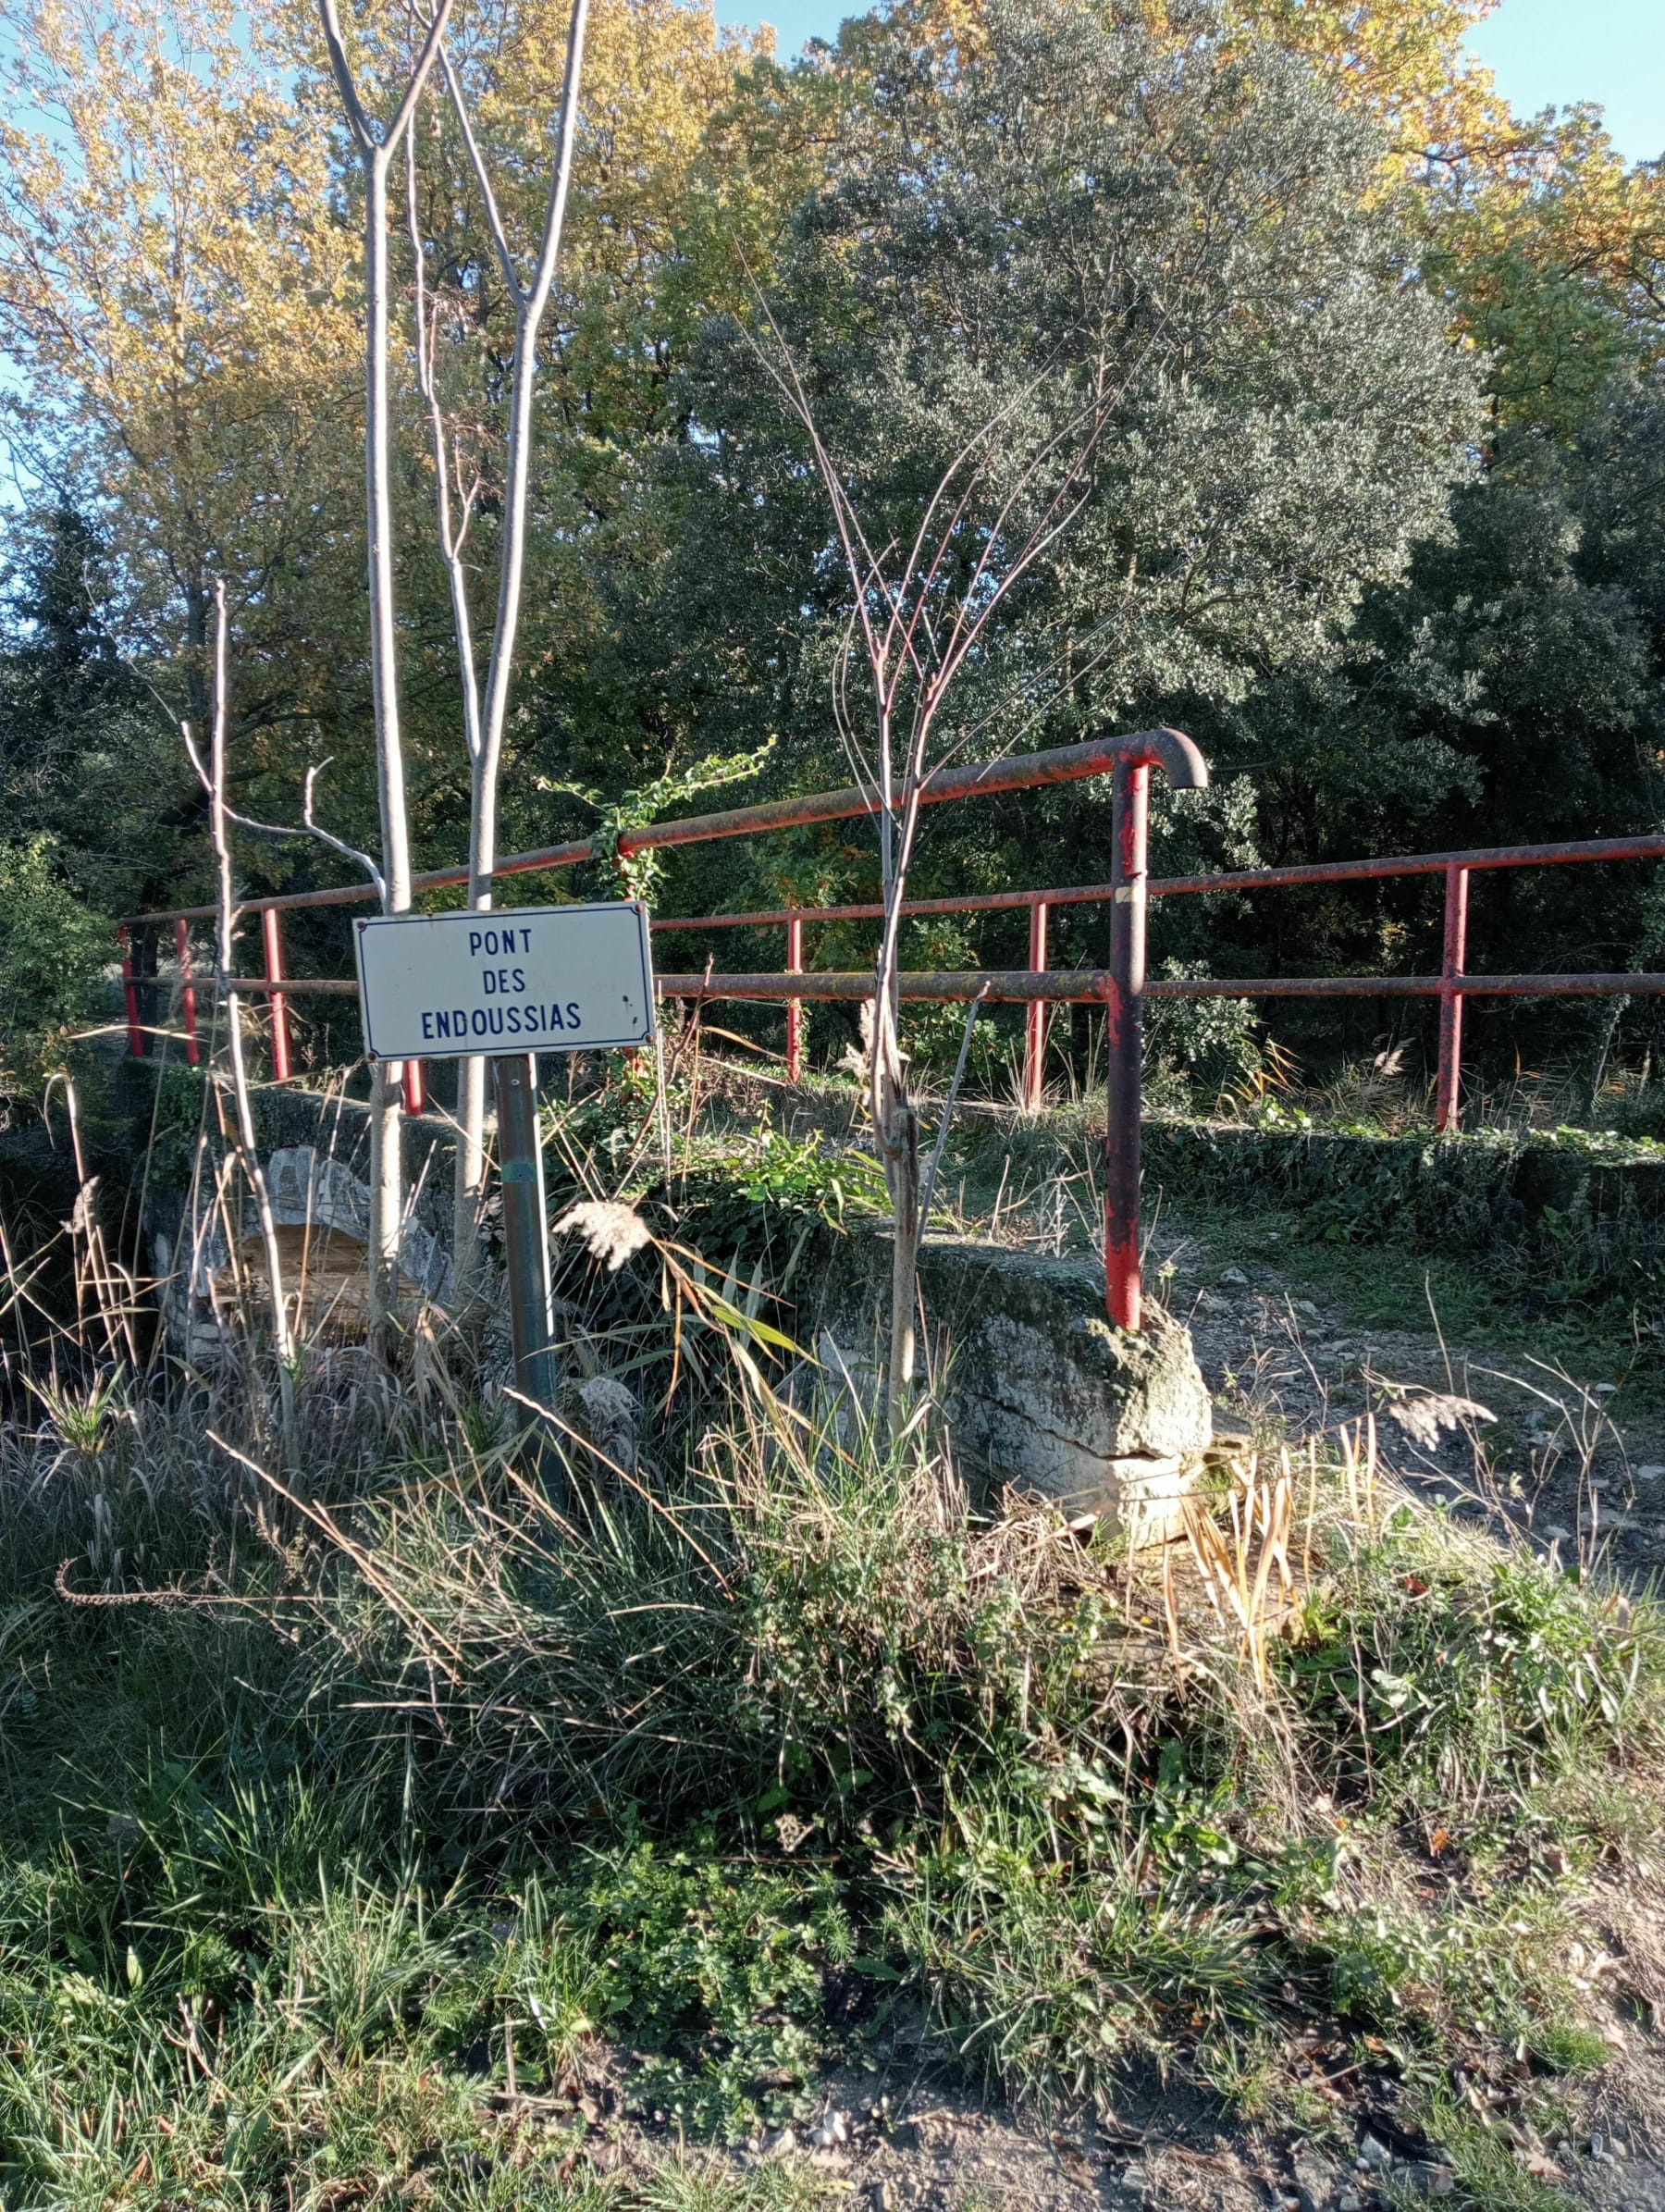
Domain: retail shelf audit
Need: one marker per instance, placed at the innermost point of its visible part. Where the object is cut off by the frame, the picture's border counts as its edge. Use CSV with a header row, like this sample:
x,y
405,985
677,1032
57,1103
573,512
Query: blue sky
x,y
1545,53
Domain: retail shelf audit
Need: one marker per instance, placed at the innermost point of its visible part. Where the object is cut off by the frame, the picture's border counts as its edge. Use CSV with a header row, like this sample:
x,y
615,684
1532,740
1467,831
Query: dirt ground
x,y
901,2138
1575,1459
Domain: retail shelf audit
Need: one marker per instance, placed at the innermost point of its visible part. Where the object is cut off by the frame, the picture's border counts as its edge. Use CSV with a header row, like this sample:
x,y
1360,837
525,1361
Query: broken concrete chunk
x,y
1042,1392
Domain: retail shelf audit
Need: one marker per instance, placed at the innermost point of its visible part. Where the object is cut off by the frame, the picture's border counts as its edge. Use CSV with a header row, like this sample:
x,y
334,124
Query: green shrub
x,y
1429,1665
53,952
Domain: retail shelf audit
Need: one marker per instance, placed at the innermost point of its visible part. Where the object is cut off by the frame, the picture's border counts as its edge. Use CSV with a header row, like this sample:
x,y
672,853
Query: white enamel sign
x,y
526,978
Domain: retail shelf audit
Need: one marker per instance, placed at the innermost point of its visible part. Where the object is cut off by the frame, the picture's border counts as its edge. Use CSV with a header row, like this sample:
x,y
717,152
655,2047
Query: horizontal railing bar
x,y
314,986
1083,987
1482,857
1087,986
1249,879
1408,986
1022,772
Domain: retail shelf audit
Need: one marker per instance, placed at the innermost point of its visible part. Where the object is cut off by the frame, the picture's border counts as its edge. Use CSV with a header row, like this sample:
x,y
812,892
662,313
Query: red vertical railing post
x,y
1034,1024
129,991
187,993
271,938
795,1007
1447,1088
415,1091
1124,1009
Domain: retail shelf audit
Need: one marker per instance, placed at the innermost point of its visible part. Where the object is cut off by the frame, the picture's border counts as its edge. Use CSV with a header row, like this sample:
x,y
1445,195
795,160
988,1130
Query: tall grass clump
x,y
812,1616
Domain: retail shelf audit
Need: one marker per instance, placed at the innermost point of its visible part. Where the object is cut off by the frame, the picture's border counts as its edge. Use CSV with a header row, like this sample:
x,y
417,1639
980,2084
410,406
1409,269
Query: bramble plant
x,y
637,874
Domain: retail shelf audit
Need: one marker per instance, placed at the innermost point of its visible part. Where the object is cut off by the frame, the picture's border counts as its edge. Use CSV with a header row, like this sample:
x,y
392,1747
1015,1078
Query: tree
x,y
376,145
645,235
53,950
175,302
87,759
485,714
1287,420
1095,350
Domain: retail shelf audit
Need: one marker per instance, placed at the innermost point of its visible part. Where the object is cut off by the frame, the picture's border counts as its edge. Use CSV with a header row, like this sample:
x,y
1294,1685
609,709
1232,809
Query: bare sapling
x,y
212,775
375,145
917,611
456,488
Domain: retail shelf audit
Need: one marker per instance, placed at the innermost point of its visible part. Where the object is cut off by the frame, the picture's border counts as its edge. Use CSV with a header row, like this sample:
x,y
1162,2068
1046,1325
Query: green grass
x,y
709,1784
1399,1286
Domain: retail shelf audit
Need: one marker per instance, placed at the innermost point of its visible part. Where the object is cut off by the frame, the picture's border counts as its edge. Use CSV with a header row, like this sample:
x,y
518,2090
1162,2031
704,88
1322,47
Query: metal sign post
x,y
551,979
526,1241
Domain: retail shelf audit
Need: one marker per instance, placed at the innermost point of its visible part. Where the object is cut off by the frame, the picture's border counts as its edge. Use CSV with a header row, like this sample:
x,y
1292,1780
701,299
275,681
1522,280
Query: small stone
x,y
834,2129
1441,2181
1348,2201
1234,1275
1374,2155
1317,2179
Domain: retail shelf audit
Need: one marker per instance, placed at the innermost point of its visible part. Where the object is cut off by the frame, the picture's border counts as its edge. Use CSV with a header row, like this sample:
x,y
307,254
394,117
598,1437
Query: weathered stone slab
x,y
1041,1390
322,1212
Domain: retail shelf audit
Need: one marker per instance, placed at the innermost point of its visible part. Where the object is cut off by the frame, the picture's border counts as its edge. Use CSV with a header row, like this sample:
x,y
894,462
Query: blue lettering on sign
x,y
440,1024
494,943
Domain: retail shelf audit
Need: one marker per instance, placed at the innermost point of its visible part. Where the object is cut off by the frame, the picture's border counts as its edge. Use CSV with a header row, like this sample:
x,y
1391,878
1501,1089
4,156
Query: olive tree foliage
x,y
1190,225
1091,378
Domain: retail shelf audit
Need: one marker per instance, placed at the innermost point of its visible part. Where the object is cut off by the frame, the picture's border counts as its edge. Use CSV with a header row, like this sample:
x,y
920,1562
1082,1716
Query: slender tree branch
x,y
247,1145
451,536
928,1189
358,122
476,161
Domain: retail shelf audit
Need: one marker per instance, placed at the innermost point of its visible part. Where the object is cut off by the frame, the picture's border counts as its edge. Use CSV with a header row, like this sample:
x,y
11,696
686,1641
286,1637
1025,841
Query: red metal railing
x,y
1451,986
1121,987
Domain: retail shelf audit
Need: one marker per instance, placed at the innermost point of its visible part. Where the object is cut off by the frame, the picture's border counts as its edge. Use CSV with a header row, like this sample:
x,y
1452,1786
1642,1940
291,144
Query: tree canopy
x,y
1372,501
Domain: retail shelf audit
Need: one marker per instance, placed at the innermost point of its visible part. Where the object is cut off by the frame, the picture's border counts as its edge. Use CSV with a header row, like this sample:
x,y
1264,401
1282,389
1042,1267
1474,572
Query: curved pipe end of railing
x,y
1172,752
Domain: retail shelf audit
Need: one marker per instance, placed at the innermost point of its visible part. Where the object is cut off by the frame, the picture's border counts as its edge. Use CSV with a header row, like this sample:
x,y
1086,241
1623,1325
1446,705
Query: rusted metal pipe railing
x,y
1018,771
1243,879
1448,1086
1088,986
1060,986
1121,988
1454,984
129,991
188,1006
271,938
795,1007
1034,1020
